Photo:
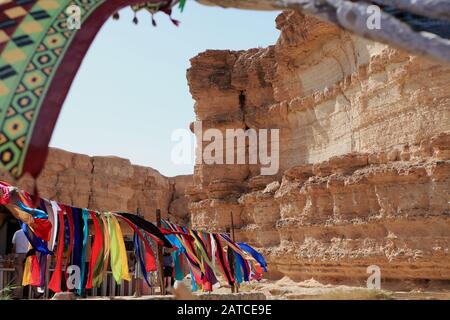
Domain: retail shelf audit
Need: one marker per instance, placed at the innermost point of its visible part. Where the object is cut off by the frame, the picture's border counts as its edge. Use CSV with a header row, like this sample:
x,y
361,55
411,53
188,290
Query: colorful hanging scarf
x,y
209,278
53,218
175,242
95,277
206,237
37,243
221,259
123,252
36,213
4,194
55,209
106,244
35,279
26,279
239,256
40,225
178,264
213,251
32,275
230,260
201,248
42,258
55,281
203,251
69,216
255,254
37,229
139,254
190,254
232,244
85,216
177,255
238,271
242,268
192,257
119,260
148,227
150,258
78,237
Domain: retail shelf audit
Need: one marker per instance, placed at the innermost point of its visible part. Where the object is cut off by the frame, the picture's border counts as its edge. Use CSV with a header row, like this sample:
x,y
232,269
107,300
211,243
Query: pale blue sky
x,y
131,91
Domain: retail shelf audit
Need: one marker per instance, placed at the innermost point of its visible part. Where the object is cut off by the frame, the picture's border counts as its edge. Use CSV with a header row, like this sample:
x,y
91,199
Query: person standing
x,y
20,249
168,269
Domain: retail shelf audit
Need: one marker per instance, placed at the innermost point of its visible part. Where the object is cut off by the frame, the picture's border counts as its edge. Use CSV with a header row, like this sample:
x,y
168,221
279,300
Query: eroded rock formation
x,y
109,184
364,155
419,27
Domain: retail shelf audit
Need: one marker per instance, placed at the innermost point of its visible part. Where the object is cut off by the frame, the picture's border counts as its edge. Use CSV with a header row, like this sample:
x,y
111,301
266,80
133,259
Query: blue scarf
x,y
255,254
237,268
78,241
241,265
36,213
85,214
138,252
176,255
37,243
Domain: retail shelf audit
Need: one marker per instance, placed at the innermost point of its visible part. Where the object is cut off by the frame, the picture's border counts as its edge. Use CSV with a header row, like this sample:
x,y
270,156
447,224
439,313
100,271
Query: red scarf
x,y
221,258
55,281
4,194
42,228
35,271
97,247
71,240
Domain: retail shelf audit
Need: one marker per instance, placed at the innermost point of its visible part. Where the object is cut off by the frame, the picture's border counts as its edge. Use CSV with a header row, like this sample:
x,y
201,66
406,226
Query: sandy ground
x,y
287,289
312,289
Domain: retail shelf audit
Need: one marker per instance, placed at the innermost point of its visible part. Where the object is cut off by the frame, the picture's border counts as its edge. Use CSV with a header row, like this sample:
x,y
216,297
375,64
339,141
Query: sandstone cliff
x,y
109,183
364,155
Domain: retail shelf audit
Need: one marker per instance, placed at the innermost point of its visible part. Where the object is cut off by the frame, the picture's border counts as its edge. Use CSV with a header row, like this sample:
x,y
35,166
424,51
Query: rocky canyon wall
x,y
109,184
364,155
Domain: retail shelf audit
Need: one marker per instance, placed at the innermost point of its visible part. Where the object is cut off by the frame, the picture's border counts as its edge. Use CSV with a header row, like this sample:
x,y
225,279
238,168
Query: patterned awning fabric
x,y
40,53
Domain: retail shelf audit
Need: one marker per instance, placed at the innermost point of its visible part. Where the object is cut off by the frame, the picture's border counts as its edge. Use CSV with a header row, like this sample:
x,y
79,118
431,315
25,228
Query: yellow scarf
x,y
26,280
119,259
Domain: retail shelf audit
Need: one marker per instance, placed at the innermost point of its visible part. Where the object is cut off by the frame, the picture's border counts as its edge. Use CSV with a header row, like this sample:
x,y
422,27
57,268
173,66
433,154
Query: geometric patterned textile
x,y
28,62
39,57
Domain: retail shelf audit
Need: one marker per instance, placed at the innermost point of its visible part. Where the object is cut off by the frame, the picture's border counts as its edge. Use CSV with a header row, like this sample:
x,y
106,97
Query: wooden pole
x,y
47,276
236,285
138,273
230,257
232,226
160,256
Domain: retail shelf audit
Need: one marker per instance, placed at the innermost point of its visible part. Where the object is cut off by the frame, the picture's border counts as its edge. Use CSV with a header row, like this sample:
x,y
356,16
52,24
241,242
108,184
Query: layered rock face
x,y
179,202
364,155
109,184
